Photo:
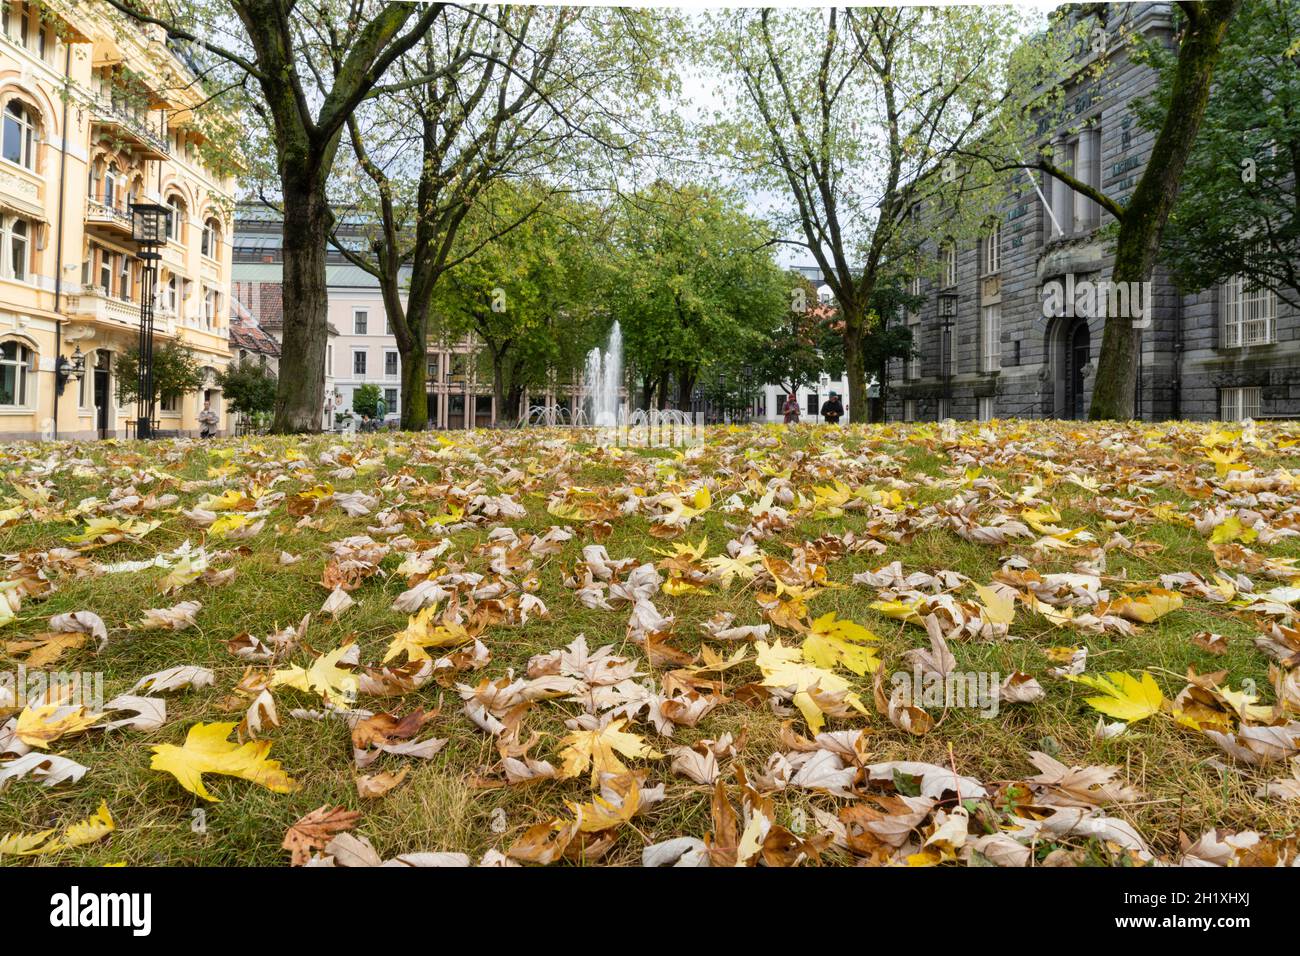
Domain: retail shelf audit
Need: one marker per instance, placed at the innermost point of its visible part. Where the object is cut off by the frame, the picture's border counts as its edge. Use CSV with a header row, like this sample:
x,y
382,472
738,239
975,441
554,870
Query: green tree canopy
x,y
248,387
176,371
530,293
1237,212
690,276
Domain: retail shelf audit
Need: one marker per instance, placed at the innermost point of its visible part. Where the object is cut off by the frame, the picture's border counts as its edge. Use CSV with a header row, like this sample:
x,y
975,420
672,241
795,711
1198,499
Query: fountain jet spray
x,y
602,379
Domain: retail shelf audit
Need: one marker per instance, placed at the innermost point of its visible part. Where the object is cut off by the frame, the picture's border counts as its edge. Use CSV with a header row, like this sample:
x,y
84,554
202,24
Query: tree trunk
x,y
300,395
1145,216
499,388
858,409
415,402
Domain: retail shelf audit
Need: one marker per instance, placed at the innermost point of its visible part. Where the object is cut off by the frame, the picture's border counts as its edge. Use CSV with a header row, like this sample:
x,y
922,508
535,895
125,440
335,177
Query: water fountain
x,y
602,381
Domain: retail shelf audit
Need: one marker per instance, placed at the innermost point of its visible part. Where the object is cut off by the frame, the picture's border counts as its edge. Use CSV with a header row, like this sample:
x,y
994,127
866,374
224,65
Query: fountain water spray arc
x,y
602,379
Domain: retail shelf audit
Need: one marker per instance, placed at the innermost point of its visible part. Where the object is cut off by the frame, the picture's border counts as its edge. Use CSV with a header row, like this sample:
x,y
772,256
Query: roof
x,y
336,276
246,334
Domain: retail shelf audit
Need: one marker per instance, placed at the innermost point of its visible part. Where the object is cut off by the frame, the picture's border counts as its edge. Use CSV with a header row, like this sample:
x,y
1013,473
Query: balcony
x,y
111,220
111,312
125,126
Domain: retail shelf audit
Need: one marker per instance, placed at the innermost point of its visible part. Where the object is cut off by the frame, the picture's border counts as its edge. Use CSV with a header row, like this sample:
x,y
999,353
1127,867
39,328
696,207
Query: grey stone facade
x,y
1190,366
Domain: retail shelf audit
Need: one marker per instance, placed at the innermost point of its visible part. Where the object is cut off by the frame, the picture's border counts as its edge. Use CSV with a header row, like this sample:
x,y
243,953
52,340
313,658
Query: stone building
x,y
97,113
1012,322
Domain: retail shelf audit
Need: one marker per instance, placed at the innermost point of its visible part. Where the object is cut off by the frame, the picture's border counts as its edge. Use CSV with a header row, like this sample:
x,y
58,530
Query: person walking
x,y
790,410
832,409
208,420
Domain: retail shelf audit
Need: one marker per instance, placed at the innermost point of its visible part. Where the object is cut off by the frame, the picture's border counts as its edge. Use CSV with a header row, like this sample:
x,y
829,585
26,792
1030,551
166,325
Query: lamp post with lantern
x,y
149,222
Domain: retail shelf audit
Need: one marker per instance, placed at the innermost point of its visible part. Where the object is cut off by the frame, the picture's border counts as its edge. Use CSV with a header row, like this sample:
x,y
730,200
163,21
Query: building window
x,y
19,135
909,409
170,300
948,340
110,185
992,261
990,338
170,402
390,363
175,218
984,409
1238,404
390,399
211,238
360,321
211,307
124,279
105,272
912,364
948,266
359,362
812,403
1248,313
15,234
17,362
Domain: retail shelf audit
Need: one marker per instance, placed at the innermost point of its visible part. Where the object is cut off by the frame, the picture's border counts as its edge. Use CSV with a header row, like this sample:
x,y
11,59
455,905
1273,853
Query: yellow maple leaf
x,y
424,630
843,642
95,827
206,750
899,611
599,749
1232,529
602,814
784,667
41,726
1125,697
323,677
32,844
1148,607
997,607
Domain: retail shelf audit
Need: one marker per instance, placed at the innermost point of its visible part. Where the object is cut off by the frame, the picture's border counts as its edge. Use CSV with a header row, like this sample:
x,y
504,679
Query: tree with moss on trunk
x,y
313,63
1199,32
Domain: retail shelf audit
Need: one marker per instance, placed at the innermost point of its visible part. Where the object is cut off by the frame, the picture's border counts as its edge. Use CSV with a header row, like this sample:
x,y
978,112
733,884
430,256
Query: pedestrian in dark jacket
x,y
832,409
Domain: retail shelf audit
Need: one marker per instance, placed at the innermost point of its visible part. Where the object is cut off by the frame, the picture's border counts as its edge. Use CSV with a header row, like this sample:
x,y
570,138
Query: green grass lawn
x,y
902,491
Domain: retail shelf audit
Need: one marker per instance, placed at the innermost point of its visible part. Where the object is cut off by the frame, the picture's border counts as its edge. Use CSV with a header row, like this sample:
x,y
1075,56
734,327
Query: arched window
x,y
176,218
211,238
17,363
20,135
110,185
15,248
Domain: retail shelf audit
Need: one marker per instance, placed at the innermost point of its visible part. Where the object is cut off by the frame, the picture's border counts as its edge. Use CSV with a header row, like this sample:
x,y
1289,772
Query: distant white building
x,y
772,398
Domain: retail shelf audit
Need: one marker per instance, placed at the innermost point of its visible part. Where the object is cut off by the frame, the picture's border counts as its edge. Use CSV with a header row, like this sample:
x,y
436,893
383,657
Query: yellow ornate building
x,y
96,115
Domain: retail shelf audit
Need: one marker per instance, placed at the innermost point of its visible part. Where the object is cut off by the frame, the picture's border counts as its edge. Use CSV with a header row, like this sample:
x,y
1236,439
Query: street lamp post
x,y
149,231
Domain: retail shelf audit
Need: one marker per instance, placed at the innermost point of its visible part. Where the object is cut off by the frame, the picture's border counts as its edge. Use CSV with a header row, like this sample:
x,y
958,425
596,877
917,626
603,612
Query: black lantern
x,y
67,368
149,223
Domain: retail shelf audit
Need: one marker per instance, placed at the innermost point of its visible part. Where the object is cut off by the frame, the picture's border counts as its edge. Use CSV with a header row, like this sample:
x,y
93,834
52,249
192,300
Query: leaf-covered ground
x,y
992,644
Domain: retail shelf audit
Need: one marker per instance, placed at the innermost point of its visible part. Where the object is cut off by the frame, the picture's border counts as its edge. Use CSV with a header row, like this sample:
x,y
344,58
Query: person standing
x,y
208,420
832,409
790,410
